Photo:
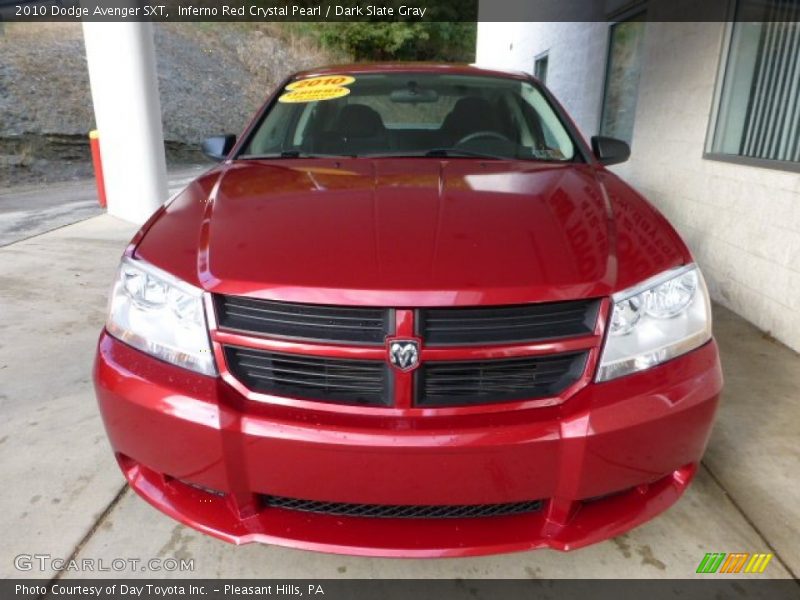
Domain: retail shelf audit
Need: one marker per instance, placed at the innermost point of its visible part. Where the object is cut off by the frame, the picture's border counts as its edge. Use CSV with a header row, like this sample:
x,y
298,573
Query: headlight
x,y
159,314
657,320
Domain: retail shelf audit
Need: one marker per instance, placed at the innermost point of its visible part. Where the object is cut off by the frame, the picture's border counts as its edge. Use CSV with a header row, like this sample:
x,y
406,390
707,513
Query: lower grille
x,y
446,383
414,511
345,381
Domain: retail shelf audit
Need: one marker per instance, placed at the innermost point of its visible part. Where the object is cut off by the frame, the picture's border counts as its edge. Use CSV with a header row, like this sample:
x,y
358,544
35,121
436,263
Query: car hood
x,y
397,232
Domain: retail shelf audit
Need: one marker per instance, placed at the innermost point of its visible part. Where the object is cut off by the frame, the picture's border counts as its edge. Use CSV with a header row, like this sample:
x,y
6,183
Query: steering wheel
x,y
483,134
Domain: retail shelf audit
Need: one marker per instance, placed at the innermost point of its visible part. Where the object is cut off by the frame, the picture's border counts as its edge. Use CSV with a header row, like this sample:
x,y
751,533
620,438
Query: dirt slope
x,y
212,77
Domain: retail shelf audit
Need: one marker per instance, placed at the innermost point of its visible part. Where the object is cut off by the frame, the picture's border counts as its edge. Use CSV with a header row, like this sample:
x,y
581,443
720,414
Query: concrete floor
x,y
64,496
26,211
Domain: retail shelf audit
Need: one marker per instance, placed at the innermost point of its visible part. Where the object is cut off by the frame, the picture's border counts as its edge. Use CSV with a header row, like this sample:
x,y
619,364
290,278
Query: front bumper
x,y
611,457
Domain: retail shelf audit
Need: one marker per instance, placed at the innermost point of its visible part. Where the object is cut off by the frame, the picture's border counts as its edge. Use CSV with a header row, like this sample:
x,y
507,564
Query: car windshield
x,y
411,114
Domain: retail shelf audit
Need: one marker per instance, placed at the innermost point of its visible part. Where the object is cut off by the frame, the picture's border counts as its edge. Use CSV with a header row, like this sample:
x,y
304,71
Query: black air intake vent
x,y
507,324
463,383
314,322
345,381
392,511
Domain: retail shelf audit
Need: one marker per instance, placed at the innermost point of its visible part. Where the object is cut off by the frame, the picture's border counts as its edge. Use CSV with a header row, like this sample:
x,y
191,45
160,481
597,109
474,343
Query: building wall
x,y
576,71
741,222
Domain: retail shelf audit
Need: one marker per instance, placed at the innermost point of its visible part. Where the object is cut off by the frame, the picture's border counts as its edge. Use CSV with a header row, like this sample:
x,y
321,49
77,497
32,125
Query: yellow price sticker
x,y
314,89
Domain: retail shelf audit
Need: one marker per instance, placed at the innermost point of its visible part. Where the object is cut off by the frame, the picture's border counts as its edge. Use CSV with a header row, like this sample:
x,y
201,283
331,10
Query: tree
x,y
447,33
422,41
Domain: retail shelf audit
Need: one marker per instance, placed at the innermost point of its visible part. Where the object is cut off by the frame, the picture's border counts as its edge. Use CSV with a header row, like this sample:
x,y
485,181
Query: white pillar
x,y
122,73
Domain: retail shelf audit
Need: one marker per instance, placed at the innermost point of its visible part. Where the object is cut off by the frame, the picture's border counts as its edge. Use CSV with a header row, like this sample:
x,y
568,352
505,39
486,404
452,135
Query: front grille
x,y
392,511
345,381
507,324
303,321
459,383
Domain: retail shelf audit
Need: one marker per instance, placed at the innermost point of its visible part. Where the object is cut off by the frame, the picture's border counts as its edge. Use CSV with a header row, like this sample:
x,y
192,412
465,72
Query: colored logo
x,y
735,562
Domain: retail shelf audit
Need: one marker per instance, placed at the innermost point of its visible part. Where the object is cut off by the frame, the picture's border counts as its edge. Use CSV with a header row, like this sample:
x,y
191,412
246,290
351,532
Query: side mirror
x,y
610,151
219,146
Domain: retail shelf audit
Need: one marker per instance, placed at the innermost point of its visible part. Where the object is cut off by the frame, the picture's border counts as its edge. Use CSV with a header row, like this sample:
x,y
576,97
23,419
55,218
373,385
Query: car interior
x,y
410,121
355,128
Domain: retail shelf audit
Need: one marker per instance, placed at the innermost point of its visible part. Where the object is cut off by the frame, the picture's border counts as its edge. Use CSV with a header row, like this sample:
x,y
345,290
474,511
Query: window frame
x,y
713,119
640,9
542,56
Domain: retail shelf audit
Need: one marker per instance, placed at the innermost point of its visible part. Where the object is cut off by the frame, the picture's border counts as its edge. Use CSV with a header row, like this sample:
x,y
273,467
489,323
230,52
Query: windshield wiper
x,y
293,154
447,152
300,154
439,153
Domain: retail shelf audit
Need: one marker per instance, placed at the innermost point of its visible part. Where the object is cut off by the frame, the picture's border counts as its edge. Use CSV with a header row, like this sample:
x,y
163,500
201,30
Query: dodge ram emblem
x,y
404,354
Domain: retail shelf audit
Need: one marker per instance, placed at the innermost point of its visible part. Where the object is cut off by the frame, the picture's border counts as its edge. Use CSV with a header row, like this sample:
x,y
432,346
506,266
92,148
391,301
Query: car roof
x,y
411,67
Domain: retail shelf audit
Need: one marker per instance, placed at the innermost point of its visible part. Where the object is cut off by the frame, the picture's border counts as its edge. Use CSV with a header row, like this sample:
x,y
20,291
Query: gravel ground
x,y
212,78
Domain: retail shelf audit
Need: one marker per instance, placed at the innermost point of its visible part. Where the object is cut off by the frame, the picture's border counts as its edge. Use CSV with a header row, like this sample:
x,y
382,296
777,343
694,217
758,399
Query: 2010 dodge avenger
x,y
410,313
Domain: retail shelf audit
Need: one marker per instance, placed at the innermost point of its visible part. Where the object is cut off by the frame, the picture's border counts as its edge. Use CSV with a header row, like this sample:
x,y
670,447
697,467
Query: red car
x,y
410,313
